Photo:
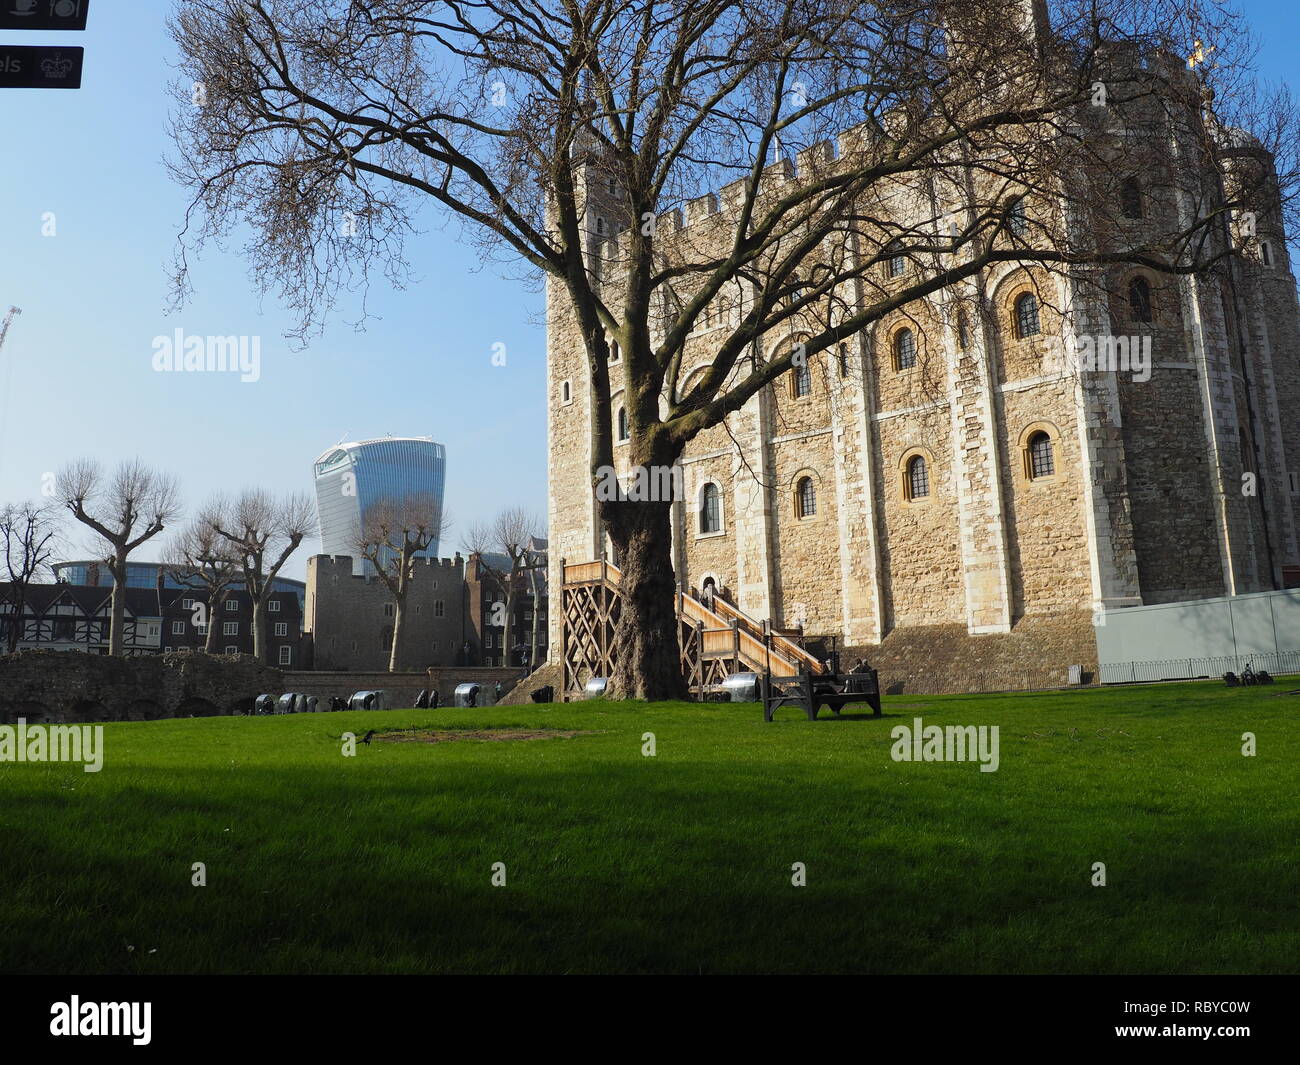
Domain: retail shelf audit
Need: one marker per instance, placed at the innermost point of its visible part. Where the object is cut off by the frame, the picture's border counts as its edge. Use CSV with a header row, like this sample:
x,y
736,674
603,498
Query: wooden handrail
x,y
784,653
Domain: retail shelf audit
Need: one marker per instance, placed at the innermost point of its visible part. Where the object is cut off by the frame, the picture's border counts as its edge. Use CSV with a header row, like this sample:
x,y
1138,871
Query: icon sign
x,y
43,14
39,68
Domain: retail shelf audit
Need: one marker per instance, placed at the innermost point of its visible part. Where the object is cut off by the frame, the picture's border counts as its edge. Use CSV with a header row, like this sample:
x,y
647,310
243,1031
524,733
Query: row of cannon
x,y
467,695
300,703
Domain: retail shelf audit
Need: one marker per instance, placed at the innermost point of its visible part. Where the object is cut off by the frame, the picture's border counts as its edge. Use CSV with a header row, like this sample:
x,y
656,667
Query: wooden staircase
x,y
715,641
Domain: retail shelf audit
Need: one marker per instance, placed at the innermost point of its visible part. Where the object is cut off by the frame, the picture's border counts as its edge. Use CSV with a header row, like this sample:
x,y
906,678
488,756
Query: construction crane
x,y
4,327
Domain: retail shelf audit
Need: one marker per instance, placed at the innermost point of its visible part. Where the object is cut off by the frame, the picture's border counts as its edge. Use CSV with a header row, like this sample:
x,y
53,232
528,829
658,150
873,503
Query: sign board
x,y
41,67
43,14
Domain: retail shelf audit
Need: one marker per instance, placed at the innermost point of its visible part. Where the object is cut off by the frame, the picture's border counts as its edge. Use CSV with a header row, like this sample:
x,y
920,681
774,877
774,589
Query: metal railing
x,y
1276,662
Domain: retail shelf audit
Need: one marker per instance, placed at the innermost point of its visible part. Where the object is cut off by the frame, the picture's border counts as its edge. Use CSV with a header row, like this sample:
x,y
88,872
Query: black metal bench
x,y
811,691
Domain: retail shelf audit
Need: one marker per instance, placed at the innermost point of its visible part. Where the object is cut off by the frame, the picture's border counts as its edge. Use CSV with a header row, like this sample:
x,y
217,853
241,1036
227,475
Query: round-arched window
x,y
1027,322
1042,463
710,509
918,478
904,349
805,498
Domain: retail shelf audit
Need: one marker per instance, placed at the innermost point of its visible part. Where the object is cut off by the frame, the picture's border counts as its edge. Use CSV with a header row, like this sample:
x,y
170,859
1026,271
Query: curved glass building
x,y
352,478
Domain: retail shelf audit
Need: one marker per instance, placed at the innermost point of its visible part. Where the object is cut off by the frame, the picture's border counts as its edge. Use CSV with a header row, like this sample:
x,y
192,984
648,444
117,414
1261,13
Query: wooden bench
x,y
810,692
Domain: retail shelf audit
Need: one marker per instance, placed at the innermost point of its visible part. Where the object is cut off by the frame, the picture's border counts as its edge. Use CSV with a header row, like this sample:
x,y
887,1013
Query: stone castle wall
x,y
993,577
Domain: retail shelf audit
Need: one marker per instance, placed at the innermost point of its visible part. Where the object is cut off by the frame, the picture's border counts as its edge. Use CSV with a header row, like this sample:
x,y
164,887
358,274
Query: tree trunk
x,y
117,607
507,638
259,630
649,661
394,658
215,603
17,624
537,613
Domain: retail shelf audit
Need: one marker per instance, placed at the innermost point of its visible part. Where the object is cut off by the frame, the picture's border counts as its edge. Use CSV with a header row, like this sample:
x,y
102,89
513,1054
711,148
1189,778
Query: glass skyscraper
x,y
352,478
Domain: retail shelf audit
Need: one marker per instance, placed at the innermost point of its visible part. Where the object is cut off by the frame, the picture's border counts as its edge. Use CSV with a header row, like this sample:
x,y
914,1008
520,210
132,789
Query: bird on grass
x,y
366,739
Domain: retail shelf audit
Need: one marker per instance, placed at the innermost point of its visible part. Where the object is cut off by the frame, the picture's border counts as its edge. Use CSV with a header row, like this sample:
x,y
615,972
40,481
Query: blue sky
x,y
93,298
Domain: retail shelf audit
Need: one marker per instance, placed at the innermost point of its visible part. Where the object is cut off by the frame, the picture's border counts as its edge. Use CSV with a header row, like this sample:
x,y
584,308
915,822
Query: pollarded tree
x,y
970,135
263,532
124,511
393,532
29,536
202,559
511,535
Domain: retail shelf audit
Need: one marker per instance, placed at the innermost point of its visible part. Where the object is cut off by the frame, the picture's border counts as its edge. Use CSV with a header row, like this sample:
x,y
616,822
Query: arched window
x,y
1018,218
613,351
1027,324
896,264
601,227
917,483
1042,463
963,330
622,424
801,381
1266,253
904,349
1139,299
1130,198
843,359
710,509
805,498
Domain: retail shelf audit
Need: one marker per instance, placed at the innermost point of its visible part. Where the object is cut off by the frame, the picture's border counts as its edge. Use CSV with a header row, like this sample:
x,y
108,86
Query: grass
x,y
616,862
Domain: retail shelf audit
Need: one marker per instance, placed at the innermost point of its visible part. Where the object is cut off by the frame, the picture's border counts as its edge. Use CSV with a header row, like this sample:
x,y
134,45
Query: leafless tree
x,y
263,532
202,559
393,532
510,534
326,123
29,536
124,511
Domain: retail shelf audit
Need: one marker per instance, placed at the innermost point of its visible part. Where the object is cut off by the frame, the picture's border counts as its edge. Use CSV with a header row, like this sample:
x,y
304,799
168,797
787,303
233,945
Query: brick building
x,y
949,491
486,582
181,629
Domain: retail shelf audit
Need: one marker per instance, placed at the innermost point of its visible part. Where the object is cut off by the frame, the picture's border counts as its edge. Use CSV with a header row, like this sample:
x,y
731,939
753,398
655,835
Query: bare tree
x,y
550,127
263,532
393,532
29,536
125,510
202,559
510,534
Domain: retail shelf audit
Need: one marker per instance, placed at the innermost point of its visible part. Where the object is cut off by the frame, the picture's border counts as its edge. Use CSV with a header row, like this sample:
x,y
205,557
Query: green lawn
x,y
680,862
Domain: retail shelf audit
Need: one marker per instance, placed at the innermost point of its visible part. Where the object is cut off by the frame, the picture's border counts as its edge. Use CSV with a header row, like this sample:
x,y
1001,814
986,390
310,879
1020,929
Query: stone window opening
x,y
805,498
916,479
1140,306
896,264
566,391
1266,253
1037,445
1039,457
1018,218
904,349
842,357
1027,319
623,434
801,379
1130,198
710,509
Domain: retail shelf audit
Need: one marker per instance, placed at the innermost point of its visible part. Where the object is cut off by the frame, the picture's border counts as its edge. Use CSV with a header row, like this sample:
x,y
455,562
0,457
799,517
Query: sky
x,y
76,372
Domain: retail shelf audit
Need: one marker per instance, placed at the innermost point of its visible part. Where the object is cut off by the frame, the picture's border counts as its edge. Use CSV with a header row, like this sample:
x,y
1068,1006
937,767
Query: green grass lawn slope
x,y
681,862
